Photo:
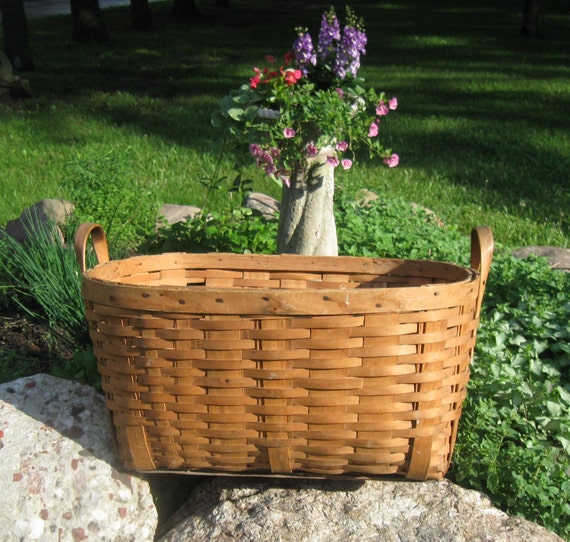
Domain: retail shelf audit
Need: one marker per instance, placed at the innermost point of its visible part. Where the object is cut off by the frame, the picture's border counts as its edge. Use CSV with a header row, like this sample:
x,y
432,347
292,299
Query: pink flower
x,y
346,163
270,169
264,159
382,109
255,149
373,130
270,58
340,92
311,150
288,133
393,103
392,161
342,146
286,181
332,160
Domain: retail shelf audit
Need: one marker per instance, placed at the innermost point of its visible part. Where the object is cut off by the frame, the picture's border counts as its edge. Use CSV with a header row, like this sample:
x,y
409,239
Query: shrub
x,y
103,190
240,231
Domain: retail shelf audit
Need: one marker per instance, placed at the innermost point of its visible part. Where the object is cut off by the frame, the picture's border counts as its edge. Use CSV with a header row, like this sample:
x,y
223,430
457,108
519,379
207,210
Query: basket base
x,y
296,475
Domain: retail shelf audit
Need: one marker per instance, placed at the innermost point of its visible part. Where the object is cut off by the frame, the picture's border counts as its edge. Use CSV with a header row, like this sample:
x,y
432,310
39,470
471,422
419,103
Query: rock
x,y
228,509
431,215
364,197
558,258
10,84
58,476
46,211
263,203
172,213
6,70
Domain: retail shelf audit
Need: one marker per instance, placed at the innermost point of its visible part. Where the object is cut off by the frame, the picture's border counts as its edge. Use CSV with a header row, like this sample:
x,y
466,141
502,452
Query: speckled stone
x,y
59,476
268,510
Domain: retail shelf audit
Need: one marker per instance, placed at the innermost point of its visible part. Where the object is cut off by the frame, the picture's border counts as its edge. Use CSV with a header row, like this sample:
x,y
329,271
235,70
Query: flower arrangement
x,y
312,101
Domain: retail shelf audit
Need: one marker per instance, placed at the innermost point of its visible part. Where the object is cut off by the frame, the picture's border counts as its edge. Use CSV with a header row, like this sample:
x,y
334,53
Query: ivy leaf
x,y
236,113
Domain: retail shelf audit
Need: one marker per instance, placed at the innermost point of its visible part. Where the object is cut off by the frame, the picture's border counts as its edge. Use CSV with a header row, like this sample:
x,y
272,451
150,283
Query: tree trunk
x,y
15,30
306,223
88,26
185,9
530,18
140,15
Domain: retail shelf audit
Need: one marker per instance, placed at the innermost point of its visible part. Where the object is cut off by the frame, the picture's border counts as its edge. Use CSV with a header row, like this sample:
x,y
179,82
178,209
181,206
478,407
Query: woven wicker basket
x,y
285,364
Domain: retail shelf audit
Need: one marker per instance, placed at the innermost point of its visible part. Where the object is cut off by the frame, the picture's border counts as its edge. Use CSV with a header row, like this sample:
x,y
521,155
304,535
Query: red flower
x,y
292,76
254,81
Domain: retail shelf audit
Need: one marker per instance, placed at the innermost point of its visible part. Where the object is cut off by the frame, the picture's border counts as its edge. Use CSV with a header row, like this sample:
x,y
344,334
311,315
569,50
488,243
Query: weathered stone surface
x,y
46,211
172,213
263,203
558,258
58,478
228,509
307,222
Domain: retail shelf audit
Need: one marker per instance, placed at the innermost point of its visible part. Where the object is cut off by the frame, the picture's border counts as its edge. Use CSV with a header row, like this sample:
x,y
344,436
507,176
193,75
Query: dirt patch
x,y
20,334
24,348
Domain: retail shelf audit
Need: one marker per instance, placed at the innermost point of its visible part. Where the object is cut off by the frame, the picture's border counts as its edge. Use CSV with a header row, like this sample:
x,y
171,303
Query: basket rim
x,y
107,271
278,301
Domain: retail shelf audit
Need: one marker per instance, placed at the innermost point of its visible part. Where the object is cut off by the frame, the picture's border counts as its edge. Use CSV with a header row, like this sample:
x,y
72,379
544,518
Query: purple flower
x,y
329,33
351,46
304,51
342,146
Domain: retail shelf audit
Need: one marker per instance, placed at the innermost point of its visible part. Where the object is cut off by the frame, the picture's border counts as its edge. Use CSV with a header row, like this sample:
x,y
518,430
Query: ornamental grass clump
x,y
305,116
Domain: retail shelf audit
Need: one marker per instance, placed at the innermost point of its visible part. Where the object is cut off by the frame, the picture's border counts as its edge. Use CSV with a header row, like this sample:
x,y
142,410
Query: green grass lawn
x,y
483,127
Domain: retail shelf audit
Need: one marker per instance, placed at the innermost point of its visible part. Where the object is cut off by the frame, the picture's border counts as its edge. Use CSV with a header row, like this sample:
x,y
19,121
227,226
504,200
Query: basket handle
x,y
99,243
482,246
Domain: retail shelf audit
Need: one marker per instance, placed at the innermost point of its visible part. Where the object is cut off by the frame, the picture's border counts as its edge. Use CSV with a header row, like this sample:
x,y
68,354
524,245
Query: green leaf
x,y
236,113
554,409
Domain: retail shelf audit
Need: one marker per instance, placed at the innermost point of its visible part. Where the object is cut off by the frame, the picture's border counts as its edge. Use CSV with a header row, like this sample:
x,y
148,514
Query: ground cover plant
x,y
483,128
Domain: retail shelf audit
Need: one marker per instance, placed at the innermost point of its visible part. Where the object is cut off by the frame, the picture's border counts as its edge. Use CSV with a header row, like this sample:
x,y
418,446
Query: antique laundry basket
x,y
285,364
